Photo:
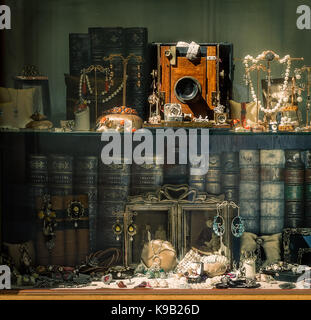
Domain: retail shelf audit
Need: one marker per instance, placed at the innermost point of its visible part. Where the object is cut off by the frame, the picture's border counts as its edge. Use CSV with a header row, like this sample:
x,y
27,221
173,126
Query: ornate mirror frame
x,y
176,200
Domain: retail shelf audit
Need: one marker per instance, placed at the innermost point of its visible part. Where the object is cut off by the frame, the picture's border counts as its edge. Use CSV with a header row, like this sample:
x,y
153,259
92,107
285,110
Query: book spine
x,y
79,52
294,189
136,43
307,186
213,176
272,204
230,176
76,231
60,175
146,178
104,42
37,176
85,183
113,190
249,189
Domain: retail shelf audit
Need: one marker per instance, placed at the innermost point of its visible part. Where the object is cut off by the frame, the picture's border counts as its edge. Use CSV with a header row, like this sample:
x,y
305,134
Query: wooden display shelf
x,y
156,294
186,124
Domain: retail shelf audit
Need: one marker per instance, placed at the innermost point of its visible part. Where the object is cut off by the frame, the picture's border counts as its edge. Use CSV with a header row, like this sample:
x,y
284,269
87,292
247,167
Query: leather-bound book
x,y
105,42
294,189
230,176
60,175
85,183
272,204
249,199
113,190
138,81
213,176
79,52
76,228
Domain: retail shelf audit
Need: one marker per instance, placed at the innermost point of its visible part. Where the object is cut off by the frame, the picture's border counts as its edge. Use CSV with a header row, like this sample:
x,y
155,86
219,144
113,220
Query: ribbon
x,y
193,49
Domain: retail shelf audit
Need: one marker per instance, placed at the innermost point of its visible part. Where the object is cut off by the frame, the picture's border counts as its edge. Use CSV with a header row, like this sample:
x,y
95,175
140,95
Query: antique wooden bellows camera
x,y
198,83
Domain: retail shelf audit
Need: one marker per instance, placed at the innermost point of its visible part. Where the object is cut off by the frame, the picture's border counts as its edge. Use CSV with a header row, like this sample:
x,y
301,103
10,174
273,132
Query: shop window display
x,y
73,216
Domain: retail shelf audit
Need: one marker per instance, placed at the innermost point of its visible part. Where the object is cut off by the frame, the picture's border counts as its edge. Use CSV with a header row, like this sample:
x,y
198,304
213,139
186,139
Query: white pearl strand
x,y
85,77
109,80
114,93
284,87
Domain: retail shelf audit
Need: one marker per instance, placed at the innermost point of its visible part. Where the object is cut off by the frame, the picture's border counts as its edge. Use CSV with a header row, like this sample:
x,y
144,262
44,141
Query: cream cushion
x,y
271,245
16,112
251,110
7,118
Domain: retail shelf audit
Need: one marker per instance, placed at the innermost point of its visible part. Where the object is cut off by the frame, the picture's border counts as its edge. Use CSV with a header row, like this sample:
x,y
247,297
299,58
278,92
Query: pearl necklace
x,y
84,78
112,95
284,86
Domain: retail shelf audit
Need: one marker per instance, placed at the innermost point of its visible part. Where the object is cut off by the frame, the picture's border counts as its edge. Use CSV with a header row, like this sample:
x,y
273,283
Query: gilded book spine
x,y
136,43
146,178
230,176
113,190
307,187
86,179
294,193
79,52
272,191
250,189
213,176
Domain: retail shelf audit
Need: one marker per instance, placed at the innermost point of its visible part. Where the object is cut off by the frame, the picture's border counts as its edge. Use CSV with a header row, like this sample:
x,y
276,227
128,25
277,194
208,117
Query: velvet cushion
x,y
271,245
15,253
17,111
250,108
248,242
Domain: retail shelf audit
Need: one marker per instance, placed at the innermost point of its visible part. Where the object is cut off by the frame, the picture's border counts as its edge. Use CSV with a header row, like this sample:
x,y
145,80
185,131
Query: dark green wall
x,y
41,27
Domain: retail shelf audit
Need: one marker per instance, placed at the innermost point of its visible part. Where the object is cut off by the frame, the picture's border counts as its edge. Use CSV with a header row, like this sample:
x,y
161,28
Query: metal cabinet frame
x,y
177,206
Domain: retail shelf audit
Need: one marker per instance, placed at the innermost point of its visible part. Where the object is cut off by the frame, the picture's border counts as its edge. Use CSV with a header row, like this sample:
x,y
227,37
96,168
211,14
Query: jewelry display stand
x,y
268,57
84,73
84,81
307,69
125,62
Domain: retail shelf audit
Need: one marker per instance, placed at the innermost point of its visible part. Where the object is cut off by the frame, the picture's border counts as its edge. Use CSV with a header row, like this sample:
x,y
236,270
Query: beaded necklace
x,y
283,98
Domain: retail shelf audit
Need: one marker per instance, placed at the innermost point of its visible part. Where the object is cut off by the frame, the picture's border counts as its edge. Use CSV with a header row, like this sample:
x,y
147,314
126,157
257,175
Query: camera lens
x,y
187,89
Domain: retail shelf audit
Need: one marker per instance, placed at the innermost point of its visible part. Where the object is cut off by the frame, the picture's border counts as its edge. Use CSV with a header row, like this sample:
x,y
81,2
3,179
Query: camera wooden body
x,y
197,85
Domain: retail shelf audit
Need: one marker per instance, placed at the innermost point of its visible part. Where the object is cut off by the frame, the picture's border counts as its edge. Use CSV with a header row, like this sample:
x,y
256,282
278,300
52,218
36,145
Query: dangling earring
x,y
219,223
299,98
117,229
237,224
131,229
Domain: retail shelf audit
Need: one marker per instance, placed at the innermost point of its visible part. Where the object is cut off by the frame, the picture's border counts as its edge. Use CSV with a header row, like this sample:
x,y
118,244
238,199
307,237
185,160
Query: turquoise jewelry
x,y
237,224
219,222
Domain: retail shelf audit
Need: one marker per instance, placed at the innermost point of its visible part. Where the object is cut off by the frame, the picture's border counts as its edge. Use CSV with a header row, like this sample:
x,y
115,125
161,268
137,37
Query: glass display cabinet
x,y
123,207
